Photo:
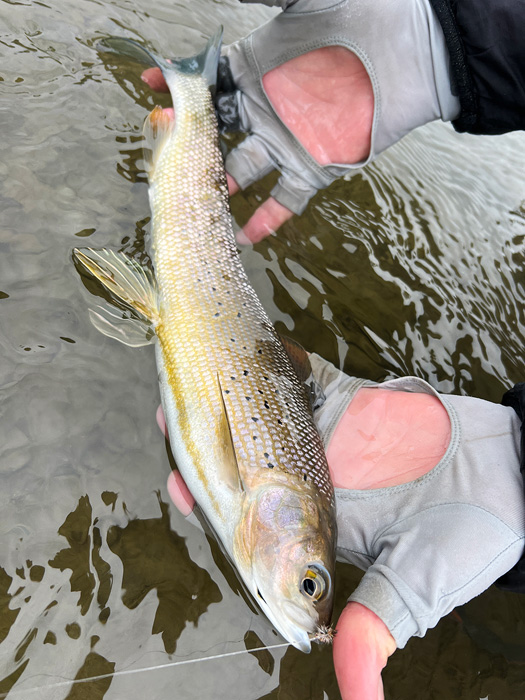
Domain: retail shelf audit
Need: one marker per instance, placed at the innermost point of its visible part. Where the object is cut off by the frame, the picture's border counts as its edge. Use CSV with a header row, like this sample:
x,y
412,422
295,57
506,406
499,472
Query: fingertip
x,y
242,238
267,219
180,494
155,80
161,422
233,187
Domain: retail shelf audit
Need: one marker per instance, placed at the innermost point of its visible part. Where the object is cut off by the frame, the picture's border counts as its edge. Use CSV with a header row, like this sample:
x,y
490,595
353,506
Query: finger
x,y
154,78
161,422
180,494
233,187
177,489
267,219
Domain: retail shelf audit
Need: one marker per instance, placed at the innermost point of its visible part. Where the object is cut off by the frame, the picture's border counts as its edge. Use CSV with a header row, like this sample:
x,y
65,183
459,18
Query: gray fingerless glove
x,y
401,44
337,389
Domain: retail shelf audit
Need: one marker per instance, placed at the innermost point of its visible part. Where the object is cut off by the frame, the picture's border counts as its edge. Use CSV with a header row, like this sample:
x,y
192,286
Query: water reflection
x,y
155,558
94,665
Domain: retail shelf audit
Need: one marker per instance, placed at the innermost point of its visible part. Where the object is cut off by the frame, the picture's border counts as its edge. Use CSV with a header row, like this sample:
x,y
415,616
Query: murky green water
x,y
416,266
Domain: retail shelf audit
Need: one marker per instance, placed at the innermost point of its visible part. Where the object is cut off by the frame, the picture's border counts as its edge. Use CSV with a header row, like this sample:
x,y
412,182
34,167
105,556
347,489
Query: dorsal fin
x,y
303,368
298,357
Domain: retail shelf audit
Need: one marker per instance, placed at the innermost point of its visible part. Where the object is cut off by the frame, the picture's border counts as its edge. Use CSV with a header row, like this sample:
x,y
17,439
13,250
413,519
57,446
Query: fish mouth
x,y
291,621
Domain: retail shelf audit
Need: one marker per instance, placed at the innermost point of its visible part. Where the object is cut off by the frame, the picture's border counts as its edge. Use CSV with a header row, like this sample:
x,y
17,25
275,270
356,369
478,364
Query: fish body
x,y
239,419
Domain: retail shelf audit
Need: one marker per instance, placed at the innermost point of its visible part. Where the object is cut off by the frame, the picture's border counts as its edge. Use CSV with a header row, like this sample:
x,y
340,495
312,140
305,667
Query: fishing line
x,y
146,669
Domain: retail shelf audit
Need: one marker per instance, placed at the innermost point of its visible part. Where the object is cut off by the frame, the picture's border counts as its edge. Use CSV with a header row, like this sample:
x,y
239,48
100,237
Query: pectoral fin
x,y
132,285
124,278
129,331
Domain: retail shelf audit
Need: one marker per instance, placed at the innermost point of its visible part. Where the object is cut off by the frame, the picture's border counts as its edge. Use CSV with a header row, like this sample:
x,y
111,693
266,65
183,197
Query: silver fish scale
x,y
221,335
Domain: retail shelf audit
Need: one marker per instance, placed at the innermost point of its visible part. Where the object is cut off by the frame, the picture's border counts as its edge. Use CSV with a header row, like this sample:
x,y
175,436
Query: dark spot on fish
x,y
254,419
279,421
255,437
213,289
233,340
217,314
265,377
304,477
260,391
227,391
260,595
266,455
238,314
270,465
248,398
219,303
266,404
245,372
232,378
259,352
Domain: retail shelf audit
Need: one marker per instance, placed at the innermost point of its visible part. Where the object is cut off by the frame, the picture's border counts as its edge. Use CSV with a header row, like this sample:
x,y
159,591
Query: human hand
x,y
300,87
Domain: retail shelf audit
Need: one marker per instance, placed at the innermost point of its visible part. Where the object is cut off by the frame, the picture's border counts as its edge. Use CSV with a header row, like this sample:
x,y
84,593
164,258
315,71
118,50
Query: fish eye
x,y
315,583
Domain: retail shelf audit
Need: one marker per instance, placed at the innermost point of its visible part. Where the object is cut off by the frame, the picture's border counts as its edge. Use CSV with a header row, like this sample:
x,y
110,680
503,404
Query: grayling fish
x,y
239,420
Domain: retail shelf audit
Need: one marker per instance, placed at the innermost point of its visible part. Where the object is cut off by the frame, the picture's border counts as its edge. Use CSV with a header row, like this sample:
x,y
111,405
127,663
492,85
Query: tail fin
x,y
204,63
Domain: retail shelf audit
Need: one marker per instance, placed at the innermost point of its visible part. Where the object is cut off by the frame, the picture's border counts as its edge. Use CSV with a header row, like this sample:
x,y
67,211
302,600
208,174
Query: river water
x,y
413,267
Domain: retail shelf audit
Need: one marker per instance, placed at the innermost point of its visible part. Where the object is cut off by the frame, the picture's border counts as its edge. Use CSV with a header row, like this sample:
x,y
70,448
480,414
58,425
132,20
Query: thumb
x,y
362,646
290,196
267,219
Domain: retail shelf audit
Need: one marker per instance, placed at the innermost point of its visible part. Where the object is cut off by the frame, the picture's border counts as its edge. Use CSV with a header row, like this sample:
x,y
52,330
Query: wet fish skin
x,y
239,419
